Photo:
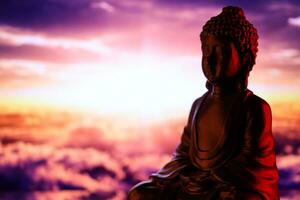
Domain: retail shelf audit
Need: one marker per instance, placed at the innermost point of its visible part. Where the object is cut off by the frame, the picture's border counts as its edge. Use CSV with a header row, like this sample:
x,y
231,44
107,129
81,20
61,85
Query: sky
x,y
113,81
114,57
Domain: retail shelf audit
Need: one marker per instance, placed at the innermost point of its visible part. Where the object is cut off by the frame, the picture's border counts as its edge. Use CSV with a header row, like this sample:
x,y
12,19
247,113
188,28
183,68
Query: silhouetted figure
x,y
227,148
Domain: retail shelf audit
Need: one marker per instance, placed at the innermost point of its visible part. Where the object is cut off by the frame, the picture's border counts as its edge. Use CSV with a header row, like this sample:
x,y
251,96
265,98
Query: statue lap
x,y
148,190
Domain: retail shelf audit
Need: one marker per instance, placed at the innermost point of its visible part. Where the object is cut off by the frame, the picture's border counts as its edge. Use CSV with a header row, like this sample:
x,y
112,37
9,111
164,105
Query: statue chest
x,y
210,124
217,129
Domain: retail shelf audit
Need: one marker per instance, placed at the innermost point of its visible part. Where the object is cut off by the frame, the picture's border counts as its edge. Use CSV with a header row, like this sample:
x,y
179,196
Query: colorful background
x,y
94,94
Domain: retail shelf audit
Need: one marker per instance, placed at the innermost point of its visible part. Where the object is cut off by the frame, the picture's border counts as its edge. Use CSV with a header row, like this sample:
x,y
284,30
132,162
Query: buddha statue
x,y
227,148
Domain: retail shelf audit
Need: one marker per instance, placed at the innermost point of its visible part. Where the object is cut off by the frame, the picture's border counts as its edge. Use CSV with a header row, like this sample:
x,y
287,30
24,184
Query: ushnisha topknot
x,y
231,23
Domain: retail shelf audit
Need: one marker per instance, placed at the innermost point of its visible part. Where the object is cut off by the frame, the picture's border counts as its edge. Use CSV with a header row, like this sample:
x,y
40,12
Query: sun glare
x,y
150,86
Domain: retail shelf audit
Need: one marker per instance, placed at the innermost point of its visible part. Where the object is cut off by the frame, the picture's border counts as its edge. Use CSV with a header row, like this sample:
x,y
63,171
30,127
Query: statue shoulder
x,y
198,101
258,112
256,103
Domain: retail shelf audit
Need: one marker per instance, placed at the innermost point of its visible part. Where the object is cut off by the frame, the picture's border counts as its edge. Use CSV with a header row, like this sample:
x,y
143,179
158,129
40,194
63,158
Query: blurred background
x,y
94,94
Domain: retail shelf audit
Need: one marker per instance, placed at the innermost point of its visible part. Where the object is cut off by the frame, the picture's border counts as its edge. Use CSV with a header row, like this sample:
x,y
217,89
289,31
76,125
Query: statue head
x,y
229,47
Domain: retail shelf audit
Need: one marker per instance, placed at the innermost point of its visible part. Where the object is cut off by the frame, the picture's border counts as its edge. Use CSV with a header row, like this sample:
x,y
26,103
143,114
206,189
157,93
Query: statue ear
x,y
248,61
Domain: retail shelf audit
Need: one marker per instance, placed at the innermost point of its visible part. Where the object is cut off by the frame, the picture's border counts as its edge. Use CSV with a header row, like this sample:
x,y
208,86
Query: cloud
x,y
103,5
48,55
83,137
26,125
289,171
291,7
98,174
18,74
294,21
97,166
141,166
41,167
18,38
80,17
17,44
86,160
41,14
279,57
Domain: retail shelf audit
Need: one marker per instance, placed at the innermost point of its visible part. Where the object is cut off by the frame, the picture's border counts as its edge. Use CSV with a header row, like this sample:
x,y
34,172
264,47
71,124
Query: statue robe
x,y
242,166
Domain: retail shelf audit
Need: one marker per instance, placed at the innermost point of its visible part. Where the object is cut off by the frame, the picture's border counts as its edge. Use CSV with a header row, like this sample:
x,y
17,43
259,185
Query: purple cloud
x,y
103,173
41,167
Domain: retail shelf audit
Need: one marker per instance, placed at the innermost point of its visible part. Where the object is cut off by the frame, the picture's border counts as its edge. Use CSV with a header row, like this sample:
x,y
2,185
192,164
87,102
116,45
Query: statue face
x,y
220,60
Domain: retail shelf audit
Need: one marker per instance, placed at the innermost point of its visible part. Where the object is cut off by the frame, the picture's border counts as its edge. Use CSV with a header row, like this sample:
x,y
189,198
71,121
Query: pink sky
x,y
121,57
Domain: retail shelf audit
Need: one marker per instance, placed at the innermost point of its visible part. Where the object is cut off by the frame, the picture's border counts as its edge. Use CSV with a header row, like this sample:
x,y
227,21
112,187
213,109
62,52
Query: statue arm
x,y
167,177
259,142
180,158
254,166
182,150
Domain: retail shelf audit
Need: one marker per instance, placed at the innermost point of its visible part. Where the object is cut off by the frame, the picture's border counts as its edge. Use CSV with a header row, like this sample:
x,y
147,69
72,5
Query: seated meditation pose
x,y
227,148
